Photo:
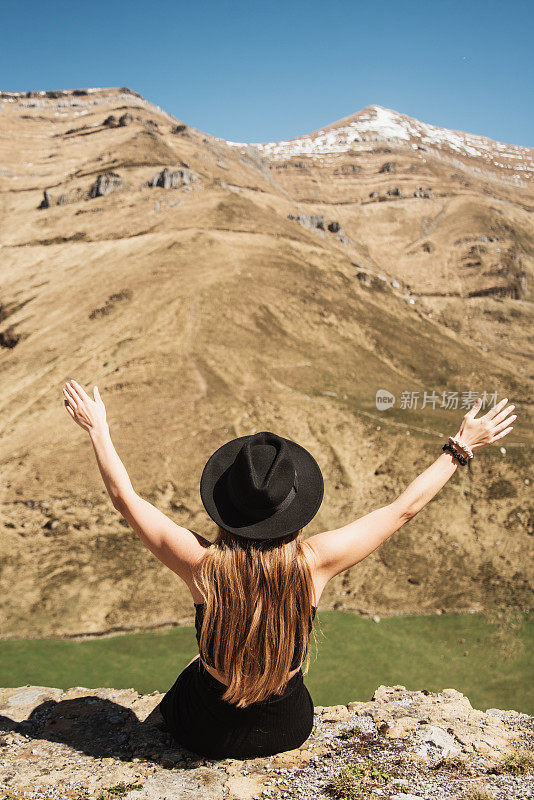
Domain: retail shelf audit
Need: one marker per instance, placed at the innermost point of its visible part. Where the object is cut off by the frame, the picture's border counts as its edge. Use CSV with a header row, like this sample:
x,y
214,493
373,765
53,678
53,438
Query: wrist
x,y
100,432
463,450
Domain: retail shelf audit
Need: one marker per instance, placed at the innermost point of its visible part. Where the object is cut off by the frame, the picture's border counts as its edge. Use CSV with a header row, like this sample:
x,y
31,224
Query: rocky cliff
x,y
104,743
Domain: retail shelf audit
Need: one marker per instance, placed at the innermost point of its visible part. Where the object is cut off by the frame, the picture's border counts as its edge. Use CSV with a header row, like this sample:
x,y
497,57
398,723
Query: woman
x,y
257,586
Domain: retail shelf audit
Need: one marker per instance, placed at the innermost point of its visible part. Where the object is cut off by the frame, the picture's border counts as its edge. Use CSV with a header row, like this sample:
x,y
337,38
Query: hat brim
x,y
299,513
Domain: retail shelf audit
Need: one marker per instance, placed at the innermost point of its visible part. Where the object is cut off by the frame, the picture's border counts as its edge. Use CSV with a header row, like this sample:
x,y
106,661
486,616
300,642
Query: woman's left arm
x,y
176,547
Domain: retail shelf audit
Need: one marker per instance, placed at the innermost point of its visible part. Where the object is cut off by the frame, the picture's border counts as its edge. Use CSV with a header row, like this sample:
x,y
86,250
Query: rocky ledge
x,y
104,743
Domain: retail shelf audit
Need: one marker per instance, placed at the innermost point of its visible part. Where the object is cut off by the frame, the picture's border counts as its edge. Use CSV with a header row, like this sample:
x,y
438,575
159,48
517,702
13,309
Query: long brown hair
x,y
258,596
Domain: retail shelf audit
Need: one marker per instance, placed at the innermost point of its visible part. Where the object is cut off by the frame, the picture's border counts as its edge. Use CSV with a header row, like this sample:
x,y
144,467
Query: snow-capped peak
x,y
377,124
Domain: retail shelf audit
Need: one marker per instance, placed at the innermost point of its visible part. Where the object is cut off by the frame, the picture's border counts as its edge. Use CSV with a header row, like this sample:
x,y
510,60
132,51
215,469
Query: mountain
x,y
212,289
361,131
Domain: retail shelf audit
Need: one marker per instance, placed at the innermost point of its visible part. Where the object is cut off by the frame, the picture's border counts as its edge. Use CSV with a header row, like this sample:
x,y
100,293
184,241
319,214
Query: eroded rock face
x,y
9,338
46,202
92,740
104,184
172,180
309,221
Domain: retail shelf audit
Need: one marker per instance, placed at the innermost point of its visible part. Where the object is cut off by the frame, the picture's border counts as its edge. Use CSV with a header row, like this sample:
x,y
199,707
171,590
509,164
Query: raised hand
x,y
487,429
88,413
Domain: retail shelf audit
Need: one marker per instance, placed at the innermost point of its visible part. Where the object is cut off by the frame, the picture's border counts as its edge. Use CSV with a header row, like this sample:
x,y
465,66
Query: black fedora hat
x,y
261,486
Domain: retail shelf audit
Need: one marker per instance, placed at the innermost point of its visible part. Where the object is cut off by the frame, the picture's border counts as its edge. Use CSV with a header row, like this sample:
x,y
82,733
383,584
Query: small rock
x,y
46,202
420,192
364,278
104,184
421,752
335,713
9,338
403,796
401,728
440,738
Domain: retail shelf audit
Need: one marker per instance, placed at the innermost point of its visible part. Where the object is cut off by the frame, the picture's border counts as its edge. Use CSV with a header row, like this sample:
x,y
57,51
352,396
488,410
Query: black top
x,y
199,616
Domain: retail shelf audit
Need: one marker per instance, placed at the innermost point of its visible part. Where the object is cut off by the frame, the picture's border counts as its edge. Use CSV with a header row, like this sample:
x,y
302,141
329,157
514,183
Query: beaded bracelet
x,y
458,456
461,445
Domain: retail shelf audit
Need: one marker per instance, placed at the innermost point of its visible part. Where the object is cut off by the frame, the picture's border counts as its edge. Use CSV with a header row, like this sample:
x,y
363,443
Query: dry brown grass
x,y
219,316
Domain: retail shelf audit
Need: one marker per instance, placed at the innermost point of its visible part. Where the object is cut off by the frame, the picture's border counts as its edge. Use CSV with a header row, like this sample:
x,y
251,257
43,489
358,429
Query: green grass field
x,y
354,656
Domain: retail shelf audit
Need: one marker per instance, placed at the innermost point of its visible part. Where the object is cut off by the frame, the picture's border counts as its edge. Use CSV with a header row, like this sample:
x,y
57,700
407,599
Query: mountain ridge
x,y
365,113
376,123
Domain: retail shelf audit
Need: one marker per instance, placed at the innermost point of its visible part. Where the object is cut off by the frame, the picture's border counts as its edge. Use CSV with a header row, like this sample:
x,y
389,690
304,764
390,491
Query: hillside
x,y
212,289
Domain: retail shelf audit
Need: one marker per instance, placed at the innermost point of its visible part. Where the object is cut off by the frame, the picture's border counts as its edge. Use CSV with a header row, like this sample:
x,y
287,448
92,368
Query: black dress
x,y
202,722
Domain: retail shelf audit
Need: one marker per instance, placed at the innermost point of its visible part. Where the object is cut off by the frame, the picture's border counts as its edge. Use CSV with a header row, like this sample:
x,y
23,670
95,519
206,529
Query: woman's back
x,y
199,617
319,584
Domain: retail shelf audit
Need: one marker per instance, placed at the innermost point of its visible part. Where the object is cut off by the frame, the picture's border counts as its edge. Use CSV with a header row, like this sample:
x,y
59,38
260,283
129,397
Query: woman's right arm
x,y
337,550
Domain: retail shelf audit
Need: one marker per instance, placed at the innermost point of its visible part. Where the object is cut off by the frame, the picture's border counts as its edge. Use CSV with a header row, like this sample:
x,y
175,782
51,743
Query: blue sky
x,y
250,71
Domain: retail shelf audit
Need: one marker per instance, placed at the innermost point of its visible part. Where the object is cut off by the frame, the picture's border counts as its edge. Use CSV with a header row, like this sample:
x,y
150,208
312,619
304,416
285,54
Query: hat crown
x,y
263,474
